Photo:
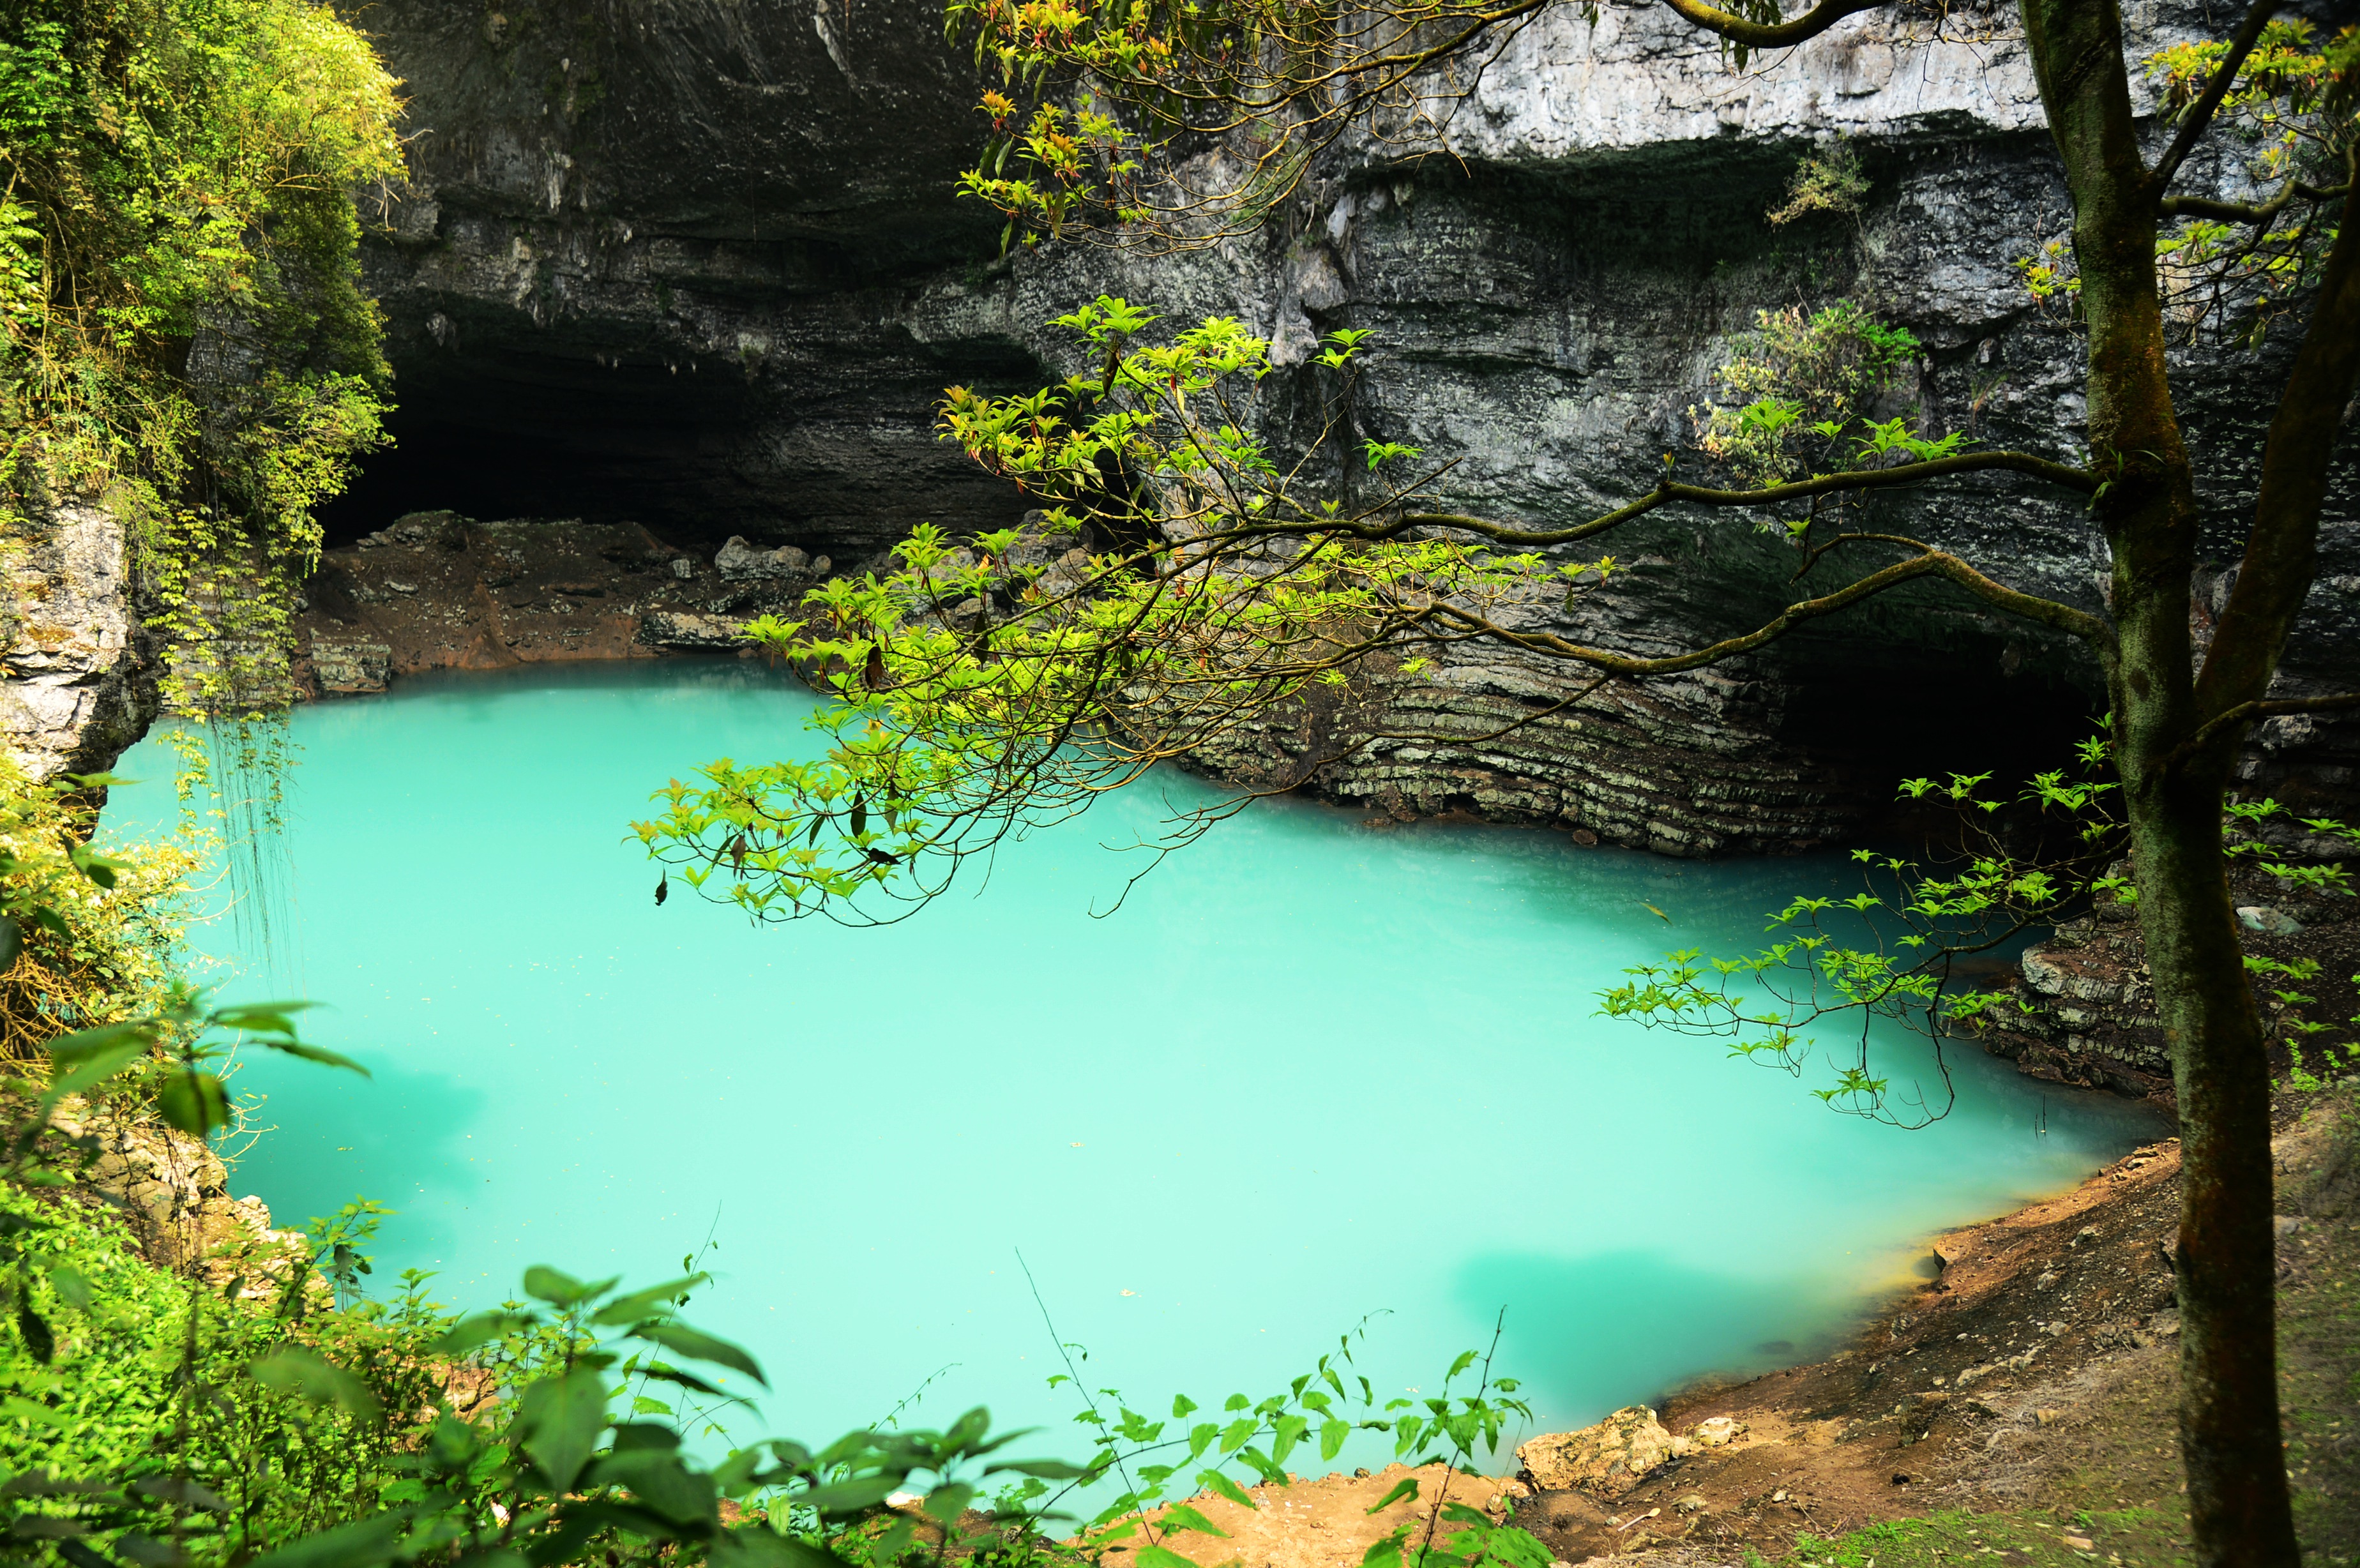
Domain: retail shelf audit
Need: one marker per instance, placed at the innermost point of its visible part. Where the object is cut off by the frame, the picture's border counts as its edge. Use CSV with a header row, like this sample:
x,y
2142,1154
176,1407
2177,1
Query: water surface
x,y
1309,1073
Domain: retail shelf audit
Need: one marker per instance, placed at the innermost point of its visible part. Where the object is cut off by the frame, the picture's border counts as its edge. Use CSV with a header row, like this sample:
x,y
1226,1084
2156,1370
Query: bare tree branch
x,y
2256,213
1771,35
1907,473
2244,712
1934,563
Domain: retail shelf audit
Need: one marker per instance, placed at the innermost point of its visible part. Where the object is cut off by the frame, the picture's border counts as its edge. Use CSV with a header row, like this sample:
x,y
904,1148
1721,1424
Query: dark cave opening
x,y
551,438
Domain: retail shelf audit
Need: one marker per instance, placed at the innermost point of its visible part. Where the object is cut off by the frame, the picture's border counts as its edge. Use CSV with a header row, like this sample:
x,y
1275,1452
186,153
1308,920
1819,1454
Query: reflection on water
x,y
1309,1073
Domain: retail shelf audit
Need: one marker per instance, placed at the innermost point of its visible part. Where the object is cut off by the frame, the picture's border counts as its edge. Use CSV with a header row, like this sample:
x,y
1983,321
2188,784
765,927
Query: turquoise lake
x,y
1309,1071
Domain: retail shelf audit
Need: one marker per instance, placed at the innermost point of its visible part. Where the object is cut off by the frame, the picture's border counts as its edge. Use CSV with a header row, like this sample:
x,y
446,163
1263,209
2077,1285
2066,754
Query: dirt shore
x,y
2019,1406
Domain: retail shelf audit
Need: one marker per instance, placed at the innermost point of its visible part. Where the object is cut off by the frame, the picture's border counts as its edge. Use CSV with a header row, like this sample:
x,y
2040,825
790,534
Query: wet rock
x,y
350,668
1606,1460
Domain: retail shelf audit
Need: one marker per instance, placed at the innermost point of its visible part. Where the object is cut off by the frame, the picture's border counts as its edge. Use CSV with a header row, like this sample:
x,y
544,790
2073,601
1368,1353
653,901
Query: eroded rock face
x,y
703,269
72,696
173,1192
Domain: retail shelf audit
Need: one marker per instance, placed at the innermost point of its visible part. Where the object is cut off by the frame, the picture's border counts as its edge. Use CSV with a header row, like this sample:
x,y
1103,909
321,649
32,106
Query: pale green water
x,y
1309,1071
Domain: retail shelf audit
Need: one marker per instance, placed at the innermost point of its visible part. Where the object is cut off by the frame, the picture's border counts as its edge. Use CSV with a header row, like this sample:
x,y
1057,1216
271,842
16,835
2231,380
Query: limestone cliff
x,y
699,266
72,697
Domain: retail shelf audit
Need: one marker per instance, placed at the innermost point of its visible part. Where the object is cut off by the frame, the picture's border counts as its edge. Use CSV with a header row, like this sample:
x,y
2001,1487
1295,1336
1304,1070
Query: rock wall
x,y
700,267
74,695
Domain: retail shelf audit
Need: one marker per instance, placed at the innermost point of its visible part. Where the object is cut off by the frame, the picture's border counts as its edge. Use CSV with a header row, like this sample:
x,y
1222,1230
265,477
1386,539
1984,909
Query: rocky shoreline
x,y
437,591
2032,1378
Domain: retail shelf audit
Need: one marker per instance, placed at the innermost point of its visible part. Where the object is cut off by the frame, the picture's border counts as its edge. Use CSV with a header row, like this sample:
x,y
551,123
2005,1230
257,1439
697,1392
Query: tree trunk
x,y
2238,1500
2240,1516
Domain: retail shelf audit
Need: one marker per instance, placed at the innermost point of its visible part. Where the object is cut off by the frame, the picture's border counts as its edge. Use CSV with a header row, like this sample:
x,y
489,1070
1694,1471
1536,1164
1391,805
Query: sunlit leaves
x,y
976,690
1891,953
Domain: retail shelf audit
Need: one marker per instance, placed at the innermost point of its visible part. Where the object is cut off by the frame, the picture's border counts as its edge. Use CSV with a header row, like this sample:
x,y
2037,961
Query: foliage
x,y
2313,1061
203,1414
85,938
182,326
1801,387
1892,951
2292,113
1112,119
273,1416
1828,179
974,691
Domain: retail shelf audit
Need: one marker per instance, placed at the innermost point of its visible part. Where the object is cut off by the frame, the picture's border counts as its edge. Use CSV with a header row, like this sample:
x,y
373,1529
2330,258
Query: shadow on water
x,y
1618,1328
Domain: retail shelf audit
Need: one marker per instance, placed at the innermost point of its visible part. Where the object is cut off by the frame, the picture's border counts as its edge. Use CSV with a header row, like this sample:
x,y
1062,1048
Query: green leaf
x,y
653,1301
369,1543
1160,1557
698,1346
262,1017
12,942
562,1418
850,1497
294,1371
173,1489
1221,1486
96,1069
759,1546
562,1289
193,1102
1404,1487
658,1478
1180,1516
472,1332
1047,1469
296,1048
71,1287
15,1407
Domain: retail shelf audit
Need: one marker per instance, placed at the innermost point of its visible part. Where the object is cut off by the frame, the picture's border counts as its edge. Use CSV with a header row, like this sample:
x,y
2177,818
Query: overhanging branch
x,y
2245,712
1908,473
1771,35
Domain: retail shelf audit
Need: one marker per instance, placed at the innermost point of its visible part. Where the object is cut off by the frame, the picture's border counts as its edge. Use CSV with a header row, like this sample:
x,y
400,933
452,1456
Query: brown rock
x,y
1606,1460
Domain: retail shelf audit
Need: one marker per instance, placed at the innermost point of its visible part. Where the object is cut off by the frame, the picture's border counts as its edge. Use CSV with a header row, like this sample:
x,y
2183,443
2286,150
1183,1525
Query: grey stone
x,y
687,630
741,562
72,694
351,668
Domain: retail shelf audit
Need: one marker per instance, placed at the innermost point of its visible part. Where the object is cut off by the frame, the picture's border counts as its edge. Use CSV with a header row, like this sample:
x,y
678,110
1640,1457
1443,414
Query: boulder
x,y
741,562
1606,1460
